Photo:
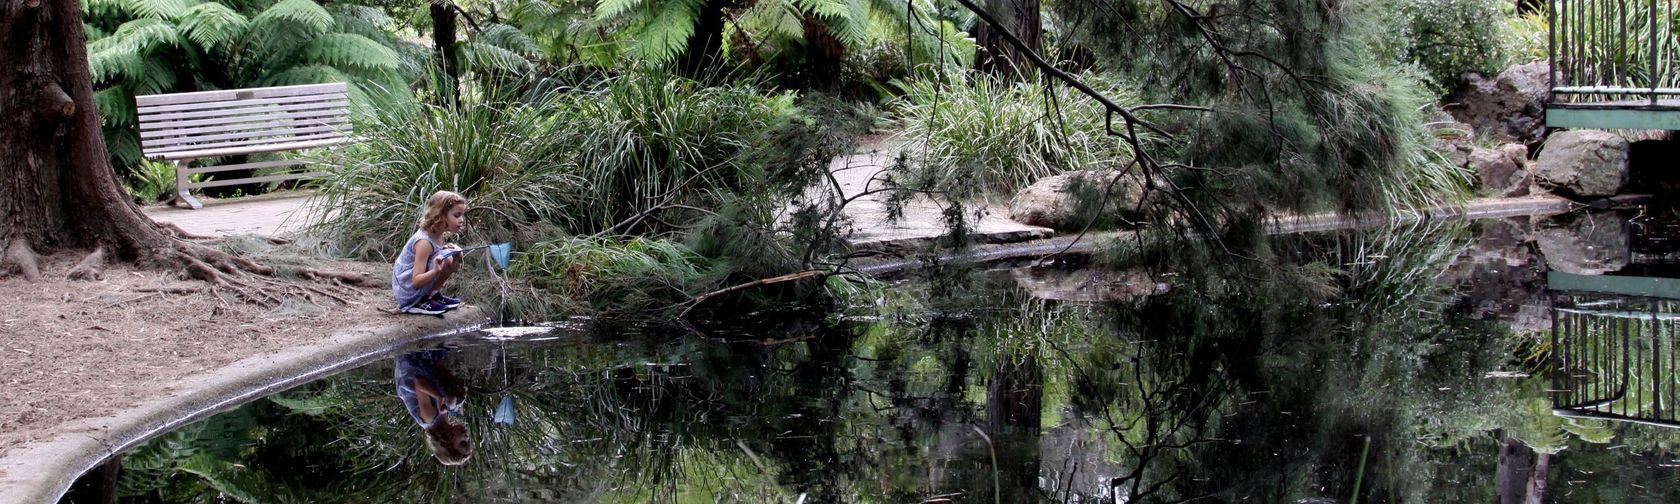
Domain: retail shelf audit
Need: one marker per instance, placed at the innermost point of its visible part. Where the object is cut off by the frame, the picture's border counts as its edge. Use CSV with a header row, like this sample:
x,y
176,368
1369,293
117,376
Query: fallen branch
x,y
755,283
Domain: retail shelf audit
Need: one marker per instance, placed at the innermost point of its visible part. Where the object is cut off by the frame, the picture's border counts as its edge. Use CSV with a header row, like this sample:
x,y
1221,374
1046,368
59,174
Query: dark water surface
x,y
1416,364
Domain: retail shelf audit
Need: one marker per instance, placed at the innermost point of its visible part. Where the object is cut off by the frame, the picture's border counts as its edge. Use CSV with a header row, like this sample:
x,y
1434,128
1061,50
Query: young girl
x,y
417,277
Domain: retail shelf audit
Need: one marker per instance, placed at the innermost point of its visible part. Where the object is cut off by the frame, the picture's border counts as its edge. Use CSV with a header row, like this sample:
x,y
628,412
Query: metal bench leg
x,y
182,193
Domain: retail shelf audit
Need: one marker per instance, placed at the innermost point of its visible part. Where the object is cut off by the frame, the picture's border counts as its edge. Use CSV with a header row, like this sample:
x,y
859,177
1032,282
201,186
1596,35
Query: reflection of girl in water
x,y
434,396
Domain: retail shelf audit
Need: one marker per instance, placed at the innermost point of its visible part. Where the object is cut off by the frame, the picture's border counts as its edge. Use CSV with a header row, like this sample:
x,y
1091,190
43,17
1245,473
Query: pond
x,y
1410,364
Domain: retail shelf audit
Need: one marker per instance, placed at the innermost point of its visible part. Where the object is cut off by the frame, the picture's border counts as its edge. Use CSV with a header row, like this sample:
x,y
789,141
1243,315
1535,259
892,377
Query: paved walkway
x,y
922,218
921,221
268,215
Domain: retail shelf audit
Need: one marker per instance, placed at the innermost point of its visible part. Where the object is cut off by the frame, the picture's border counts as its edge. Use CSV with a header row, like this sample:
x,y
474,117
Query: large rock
x,y
1510,107
1498,174
1586,244
1455,141
1067,202
1584,162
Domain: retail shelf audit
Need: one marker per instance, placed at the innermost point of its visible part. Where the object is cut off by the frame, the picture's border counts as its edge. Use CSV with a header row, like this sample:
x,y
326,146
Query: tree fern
x,y
665,35
156,9
608,10
507,37
482,55
304,13
351,50
212,24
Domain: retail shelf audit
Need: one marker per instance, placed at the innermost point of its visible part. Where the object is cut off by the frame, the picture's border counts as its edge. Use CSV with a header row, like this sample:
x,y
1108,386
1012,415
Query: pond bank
x,y
41,471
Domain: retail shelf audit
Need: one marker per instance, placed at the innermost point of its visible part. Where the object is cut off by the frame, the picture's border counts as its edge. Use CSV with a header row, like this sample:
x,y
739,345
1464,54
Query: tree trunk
x,y
703,58
57,186
823,55
992,53
443,45
1514,477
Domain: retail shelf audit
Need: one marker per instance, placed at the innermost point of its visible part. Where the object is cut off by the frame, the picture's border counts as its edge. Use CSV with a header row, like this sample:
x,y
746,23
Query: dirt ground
x,y
82,349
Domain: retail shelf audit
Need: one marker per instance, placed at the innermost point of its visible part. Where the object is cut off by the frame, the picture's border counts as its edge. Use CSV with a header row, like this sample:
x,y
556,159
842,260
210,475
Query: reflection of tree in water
x,y
1262,379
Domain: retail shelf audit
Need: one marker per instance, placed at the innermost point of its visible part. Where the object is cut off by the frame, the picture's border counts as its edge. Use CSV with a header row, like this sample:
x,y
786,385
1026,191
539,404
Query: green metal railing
x,y
1620,52
1616,359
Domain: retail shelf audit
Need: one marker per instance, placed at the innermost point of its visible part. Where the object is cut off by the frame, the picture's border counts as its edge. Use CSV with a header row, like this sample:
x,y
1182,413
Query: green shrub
x,y
653,148
152,181
499,155
1450,37
607,277
988,138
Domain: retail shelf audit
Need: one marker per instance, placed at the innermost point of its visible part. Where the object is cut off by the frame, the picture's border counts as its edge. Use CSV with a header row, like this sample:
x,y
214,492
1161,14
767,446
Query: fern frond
x,y
507,37
212,24
116,106
146,35
305,13
124,146
306,74
774,20
156,77
92,9
156,9
93,32
606,10
124,53
348,50
481,55
372,15
665,36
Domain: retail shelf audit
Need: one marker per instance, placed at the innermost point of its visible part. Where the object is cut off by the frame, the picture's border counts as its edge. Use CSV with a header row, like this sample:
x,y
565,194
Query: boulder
x,y
1498,174
1510,106
1585,244
1068,201
1584,162
1517,152
1454,141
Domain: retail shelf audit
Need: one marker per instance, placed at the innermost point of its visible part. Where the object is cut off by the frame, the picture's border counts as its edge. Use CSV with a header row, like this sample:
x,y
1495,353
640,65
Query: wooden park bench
x,y
180,127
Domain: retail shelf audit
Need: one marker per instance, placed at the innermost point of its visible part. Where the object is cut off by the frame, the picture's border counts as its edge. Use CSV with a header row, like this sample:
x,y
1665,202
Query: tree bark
x,y
824,54
56,185
443,45
992,53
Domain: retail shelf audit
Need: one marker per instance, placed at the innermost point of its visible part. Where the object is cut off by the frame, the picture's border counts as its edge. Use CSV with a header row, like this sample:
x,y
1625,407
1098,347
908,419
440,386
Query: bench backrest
x,y
243,121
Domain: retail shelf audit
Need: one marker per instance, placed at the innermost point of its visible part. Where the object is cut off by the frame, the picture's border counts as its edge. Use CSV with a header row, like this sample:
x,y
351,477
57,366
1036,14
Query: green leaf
x,y
347,50
507,37
307,74
305,13
606,10
485,56
212,24
156,9
666,35
116,106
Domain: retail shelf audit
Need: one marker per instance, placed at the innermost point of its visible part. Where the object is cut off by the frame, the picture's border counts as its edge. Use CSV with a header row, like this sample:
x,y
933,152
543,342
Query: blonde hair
x,y
437,206
441,437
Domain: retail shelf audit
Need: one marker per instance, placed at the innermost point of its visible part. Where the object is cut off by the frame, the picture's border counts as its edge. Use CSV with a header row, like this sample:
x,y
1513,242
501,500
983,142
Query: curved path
x,y
42,471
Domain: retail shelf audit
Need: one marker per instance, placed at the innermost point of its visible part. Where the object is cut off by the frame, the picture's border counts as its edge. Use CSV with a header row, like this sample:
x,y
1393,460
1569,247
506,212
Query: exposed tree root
x,y
21,259
92,267
177,232
346,277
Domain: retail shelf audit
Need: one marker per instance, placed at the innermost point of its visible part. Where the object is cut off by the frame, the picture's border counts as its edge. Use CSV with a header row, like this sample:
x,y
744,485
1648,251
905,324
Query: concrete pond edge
x,y
43,470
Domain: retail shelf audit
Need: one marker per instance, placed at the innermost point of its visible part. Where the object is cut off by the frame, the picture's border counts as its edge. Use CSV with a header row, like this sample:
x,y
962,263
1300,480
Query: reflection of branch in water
x,y
1159,437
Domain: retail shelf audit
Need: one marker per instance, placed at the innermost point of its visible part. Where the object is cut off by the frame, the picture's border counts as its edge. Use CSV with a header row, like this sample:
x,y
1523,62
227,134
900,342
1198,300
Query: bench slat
x,y
156,126
249,150
143,111
243,146
252,129
241,138
254,109
258,149
252,180
249,166
237,94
